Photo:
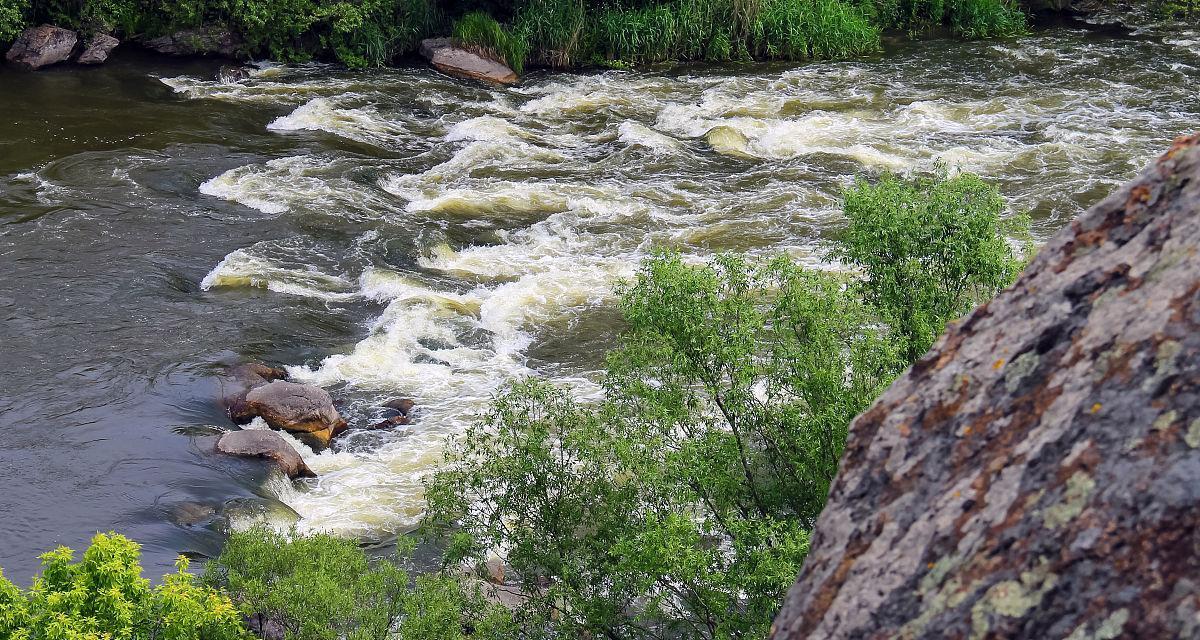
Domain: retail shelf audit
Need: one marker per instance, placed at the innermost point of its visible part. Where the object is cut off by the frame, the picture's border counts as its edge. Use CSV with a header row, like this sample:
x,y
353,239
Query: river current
x,y
400,234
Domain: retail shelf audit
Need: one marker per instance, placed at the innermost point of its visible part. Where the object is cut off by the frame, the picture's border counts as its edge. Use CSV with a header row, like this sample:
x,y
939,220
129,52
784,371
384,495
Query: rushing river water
x,y
396,233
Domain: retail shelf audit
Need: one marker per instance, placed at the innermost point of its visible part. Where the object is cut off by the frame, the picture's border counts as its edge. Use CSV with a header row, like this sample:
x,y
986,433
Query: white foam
x,y
361,125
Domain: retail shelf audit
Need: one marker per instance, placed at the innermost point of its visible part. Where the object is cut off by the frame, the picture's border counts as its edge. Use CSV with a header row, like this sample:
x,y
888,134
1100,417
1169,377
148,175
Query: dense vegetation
x,y
680,504
547,32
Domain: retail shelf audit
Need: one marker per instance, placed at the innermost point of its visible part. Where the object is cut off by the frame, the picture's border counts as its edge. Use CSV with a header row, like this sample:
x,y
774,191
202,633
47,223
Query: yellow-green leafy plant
x,y
105,597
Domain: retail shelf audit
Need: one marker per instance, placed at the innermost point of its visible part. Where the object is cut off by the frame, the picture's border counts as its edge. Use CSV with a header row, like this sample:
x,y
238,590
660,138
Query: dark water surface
x,y
398,233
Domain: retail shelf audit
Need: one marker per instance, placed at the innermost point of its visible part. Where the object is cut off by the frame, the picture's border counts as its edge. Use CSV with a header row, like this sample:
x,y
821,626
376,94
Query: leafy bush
x,y
930,248
324,588
12,18
104,596
682,504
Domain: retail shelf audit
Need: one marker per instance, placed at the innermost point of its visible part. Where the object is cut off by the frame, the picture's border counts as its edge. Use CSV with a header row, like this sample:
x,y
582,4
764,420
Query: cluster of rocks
x,y
45,45
303,410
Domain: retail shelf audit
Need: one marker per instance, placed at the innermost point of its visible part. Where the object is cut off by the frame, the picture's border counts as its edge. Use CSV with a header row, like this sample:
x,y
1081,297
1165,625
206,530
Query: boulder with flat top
x,y
454,59
297,408
260,443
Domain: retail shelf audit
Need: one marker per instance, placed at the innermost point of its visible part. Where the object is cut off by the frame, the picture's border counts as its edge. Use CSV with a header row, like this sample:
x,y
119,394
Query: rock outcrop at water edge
x,y
1037,473
259,443
302,409
453,59
97,49
42,46
209,40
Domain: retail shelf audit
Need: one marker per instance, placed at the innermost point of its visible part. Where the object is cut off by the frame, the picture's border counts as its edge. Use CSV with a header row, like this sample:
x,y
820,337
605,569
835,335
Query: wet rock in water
x,y
239,514
211,40
259,443
403,405
255,374
451,59
190,514
298,408
230,73
1037,473
390,423
42,46
97,49
246,377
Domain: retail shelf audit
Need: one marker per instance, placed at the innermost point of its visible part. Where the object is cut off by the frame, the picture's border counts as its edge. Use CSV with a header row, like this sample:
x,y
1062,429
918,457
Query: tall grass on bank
x,y
555,33
482,31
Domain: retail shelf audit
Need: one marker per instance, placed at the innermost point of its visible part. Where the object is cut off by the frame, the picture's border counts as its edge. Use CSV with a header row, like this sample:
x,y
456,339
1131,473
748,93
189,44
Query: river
x,y
396,233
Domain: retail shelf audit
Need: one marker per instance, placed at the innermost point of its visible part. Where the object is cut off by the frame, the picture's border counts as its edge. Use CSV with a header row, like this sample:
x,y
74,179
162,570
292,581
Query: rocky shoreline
x,y
47,45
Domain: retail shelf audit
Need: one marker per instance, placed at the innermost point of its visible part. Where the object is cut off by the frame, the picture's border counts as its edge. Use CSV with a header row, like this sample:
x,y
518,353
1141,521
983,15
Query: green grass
x,y
481,31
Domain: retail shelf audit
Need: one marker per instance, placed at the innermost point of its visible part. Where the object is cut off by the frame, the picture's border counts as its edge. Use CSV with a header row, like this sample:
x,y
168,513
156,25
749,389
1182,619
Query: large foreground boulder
x,y
42,46
259,443
298,408
1037,473
455,60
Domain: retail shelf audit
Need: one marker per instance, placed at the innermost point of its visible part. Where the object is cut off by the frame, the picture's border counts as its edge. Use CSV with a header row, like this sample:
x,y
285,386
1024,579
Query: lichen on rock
x,y
1037,473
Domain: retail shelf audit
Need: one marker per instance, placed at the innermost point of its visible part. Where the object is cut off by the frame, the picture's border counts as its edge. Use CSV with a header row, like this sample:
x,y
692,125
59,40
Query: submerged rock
x,y
190,514
403,405
298,408
97,49
259,443
452,59
230,73
210,40
42,46
1037,473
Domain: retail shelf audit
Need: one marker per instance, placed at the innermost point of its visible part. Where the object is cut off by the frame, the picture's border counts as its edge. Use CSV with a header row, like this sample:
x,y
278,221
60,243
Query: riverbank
x,y
533,33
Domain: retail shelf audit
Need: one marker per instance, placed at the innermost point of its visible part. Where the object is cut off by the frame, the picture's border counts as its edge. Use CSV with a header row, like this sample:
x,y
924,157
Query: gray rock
x,y
452,59
1035,475
211,40
258,443
299,408
97,49
42,46
242,379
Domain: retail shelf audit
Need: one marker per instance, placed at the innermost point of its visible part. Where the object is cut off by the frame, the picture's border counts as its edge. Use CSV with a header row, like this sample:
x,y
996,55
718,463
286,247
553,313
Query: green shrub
x,y
324,588
104,596
12,18
930,249
682,503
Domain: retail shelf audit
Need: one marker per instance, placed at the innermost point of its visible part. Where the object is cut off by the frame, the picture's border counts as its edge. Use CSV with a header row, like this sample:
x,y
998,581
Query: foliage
x,y
358,33
12,18
931,249
683,502
324,588
104,596
480,30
